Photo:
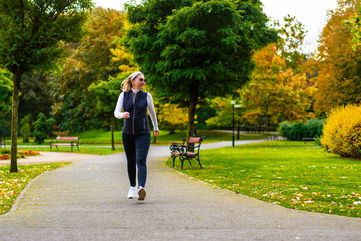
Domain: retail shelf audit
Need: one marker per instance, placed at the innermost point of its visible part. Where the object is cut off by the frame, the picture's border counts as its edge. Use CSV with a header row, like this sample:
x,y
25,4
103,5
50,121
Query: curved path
x,y
86,201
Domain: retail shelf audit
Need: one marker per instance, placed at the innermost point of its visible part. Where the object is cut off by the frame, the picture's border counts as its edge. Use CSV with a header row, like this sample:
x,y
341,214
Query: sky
x,y
311,13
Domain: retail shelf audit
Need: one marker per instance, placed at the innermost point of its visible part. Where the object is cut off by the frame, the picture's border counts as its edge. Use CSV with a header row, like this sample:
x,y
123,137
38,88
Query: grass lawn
x,y
11,184
101,137
84,150
291,174
211,136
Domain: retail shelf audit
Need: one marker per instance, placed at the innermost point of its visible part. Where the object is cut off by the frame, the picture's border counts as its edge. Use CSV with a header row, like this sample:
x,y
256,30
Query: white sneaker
x,y
141,194
132,194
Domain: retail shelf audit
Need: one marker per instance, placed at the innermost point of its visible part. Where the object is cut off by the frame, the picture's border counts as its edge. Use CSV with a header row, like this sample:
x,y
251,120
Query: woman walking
x,y
136,131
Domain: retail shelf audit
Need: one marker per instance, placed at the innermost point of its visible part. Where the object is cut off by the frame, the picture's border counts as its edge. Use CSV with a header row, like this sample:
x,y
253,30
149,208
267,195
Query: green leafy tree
x,y
25,128
31,39
6,89
354,22
193,49
42,128
91,60
224,110
107,93
292,34
35,94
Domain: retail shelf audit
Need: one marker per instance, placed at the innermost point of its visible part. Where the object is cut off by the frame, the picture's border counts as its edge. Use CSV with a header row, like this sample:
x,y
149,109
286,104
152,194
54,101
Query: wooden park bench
x,y
272,138
305,139
65,141
187,152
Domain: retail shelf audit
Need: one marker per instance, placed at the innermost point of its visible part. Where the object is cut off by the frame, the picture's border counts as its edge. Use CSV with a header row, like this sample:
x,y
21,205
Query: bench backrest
x,y
195,140
67,138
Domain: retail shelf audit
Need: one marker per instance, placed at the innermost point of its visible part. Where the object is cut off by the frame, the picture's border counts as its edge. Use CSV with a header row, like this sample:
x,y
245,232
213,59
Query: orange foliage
x,y
338,82
275,91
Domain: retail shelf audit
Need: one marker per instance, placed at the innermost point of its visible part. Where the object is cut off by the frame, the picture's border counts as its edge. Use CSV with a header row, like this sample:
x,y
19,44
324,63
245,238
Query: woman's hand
x,y
156,133
125,115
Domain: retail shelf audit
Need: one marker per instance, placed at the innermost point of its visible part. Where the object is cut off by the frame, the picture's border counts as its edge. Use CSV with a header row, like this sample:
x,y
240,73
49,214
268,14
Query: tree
x,y
223,107
42,128
107,93
292,34
339,80
6,89
193,49
172,116
35,94
25,128
31,39
275,93
91,61
355,24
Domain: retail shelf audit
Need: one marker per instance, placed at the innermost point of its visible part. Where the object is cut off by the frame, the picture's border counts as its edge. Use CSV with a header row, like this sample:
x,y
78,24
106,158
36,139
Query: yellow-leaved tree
x,y
275,92
338,81
172,116
121,55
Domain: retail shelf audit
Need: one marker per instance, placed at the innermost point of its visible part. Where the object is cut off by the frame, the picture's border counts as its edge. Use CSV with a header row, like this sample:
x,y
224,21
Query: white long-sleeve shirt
x,y
150,107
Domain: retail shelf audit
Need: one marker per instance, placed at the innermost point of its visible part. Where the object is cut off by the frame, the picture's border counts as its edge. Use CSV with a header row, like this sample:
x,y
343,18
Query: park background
x,y
270,84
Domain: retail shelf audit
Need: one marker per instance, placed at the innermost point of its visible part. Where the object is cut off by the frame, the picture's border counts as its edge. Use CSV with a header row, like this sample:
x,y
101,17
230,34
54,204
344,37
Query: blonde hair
x,y
126,84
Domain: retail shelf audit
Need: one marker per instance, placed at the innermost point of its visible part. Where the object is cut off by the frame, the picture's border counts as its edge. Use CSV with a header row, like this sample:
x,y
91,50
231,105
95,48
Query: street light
x,y
233,103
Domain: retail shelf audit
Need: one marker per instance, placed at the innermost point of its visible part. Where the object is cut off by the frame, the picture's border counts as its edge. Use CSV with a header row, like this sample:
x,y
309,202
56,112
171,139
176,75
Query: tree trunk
x,y
192,111
14,123
112,124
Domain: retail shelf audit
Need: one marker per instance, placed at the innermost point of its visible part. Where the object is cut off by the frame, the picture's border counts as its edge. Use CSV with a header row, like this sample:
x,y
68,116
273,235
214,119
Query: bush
x,y
297,131
342,131
42,127
25,128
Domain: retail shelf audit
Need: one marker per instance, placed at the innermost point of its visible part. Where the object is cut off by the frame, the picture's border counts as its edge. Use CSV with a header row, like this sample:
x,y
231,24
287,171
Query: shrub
x,y
342,131
42,127
297,131
25,128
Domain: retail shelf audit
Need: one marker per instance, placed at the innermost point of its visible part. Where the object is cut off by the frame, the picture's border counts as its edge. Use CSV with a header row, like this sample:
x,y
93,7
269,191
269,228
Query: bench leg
x,y
199,162
182,162
173,157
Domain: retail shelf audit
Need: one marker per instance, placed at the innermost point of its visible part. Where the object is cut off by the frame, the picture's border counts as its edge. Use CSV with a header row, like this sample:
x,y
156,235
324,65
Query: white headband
x,y
135,74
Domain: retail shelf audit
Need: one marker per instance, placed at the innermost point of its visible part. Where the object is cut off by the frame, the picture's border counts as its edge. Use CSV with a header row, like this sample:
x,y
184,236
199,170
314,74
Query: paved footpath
x,y
86,200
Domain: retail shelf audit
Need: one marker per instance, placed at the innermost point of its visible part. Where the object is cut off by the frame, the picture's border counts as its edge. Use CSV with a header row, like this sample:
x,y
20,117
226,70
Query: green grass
x,y
101,137
11,184
291,174
84,150
211,136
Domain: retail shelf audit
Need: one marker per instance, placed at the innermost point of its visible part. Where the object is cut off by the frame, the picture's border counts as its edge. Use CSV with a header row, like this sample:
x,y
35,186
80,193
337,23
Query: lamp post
x,y
233,103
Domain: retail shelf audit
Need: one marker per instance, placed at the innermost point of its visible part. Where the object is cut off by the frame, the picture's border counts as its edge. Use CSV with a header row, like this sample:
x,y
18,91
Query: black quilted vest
x,y
137,124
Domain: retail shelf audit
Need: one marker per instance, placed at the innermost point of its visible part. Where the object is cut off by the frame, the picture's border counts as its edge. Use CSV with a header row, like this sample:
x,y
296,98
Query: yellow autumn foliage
x,y
121,54
172,116
275,92
342,131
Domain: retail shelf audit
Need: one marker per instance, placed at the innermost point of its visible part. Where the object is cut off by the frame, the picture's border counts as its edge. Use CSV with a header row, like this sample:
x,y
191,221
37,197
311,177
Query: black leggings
x,y
136,149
